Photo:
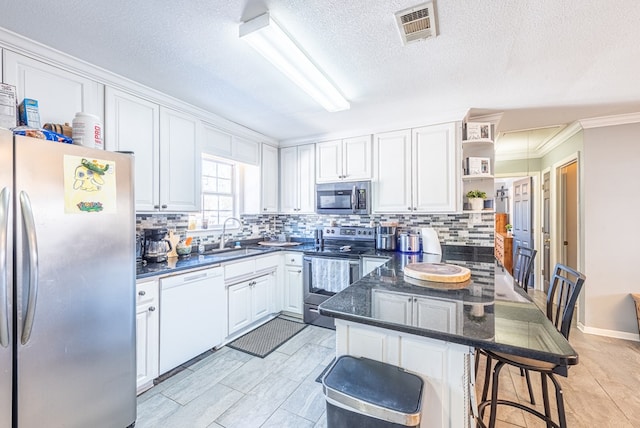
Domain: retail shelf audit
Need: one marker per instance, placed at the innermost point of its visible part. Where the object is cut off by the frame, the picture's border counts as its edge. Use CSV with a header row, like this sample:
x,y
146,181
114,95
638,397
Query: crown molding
x,y
563,135
494,118
619,119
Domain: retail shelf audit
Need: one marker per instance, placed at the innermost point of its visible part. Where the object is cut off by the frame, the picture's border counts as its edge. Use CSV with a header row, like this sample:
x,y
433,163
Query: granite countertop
x,y
488,315
196,261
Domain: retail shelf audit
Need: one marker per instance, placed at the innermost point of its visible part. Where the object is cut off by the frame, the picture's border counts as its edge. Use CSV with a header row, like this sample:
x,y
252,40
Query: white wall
x,y
611,211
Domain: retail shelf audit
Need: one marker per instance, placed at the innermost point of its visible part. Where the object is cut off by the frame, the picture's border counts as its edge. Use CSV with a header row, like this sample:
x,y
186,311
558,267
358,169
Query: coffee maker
x,y
156,245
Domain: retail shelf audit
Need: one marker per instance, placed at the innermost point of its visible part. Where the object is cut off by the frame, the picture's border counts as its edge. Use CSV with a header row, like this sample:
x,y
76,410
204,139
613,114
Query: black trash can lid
x,y
377,383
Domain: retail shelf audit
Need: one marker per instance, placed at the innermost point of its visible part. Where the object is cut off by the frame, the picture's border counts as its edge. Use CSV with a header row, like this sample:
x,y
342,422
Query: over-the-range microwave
x,y
343,198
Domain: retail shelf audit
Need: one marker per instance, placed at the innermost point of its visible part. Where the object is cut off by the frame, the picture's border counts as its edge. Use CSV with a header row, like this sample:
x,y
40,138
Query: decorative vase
x,y
477,204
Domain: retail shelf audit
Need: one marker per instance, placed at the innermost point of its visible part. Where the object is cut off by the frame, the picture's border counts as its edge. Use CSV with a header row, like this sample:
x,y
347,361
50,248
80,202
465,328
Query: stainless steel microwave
x,y
343,198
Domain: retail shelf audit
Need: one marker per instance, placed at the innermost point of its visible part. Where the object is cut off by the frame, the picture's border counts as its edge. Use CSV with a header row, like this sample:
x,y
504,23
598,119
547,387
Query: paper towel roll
x,y
430,241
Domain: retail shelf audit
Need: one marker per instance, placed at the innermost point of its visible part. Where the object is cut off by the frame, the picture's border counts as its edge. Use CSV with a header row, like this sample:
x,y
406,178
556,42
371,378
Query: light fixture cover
x,y
270,40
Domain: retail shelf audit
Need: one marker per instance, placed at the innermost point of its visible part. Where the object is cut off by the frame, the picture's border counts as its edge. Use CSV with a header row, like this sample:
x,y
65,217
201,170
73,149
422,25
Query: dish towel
x,y
330,274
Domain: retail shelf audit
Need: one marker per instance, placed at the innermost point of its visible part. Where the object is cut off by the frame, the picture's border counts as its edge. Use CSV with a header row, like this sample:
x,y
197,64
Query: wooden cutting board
x,y
278,243
437,272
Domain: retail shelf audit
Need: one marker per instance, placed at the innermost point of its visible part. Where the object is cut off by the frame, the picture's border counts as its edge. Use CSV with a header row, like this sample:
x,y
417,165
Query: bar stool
x,y
523,266
564,289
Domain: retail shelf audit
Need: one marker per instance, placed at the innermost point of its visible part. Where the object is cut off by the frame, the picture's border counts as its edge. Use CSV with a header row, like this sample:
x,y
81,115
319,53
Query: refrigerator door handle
x,y
5,197
32,244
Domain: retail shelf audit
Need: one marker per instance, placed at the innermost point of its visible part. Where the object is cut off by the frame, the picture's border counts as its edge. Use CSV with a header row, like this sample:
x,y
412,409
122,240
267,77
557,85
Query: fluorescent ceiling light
x,y
265,36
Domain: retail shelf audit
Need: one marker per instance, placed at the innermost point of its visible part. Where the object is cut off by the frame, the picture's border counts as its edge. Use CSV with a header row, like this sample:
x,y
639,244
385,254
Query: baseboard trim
x,y
609,333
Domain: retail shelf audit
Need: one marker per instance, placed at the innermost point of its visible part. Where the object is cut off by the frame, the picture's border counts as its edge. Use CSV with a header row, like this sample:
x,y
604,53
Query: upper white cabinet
x,y
348,159
133,124
166,147
220,143
60,93
297,179
260,184
269,182
416,170
180,164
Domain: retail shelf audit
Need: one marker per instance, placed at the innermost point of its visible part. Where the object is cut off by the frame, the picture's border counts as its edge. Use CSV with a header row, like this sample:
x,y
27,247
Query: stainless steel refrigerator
x,y
67,286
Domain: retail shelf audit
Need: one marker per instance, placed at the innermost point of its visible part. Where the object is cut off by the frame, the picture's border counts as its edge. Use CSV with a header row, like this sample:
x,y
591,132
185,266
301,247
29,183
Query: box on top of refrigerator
x,y
29,113
7,106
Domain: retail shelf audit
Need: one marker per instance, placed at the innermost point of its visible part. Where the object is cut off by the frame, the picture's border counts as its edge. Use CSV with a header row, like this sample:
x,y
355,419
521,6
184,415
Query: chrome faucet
x,y
224,227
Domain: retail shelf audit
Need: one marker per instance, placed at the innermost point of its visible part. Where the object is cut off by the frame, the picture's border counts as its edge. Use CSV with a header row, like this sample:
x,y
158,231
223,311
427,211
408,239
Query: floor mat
x,y
268,337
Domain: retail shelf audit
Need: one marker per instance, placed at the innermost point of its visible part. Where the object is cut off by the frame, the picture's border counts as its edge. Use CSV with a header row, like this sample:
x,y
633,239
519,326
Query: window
x,y
218,191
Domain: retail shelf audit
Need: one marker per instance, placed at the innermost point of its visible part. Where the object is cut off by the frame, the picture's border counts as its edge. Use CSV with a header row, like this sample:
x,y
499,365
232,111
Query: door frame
x,y
539,232
536,177
556,221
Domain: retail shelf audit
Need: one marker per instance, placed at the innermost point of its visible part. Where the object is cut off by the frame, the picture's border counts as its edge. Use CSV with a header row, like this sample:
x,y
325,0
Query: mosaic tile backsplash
x,y
453,229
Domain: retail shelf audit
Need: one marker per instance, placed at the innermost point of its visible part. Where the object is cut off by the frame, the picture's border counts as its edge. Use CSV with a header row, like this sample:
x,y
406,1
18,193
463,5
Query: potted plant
x,y
508,227
476,199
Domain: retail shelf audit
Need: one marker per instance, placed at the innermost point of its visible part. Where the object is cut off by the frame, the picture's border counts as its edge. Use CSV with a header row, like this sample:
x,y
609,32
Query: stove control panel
x,y
355,233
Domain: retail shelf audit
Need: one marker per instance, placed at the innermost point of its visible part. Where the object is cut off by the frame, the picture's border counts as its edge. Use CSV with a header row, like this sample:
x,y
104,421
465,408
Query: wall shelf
x,y
478,177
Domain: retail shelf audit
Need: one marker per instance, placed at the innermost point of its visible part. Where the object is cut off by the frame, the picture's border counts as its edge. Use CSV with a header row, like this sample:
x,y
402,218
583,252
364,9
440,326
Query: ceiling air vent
x,y
416,23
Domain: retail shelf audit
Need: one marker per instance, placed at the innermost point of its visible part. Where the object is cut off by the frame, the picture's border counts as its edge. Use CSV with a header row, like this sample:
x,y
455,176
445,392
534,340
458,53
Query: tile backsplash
x,y
453,229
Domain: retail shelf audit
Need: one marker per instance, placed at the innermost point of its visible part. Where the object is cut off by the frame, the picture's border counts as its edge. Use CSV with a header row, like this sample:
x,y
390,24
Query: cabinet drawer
x,y
293,259
244,267
267,262
146,292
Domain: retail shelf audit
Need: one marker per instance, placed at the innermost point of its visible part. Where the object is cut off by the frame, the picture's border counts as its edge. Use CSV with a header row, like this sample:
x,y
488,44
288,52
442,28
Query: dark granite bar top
x,y
484,313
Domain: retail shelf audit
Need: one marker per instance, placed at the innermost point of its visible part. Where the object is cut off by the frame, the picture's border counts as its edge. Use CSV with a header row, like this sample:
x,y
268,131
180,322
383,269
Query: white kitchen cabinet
x,y
60,93
370,263
133,124
219,143
435,314
348,159
297,179
180,163
293,283
249,301
269,182
416,170
147,333
443,366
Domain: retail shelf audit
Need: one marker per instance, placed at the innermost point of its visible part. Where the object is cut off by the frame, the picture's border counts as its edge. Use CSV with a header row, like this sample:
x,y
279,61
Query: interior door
x,y
546,231
569,213
522,216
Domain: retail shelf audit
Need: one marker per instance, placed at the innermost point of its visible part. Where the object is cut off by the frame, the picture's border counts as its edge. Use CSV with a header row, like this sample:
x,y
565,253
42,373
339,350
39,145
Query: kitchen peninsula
x,y
432,330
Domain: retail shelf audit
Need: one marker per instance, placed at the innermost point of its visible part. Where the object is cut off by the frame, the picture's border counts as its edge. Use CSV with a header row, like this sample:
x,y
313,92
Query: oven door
x,y
319,286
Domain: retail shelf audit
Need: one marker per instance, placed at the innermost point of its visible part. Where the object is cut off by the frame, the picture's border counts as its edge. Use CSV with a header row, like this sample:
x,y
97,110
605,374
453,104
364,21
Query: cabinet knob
x,y
141,293
415,208
164,206
152,308
409,208
156,207
264,209
299,271
410,299
415,299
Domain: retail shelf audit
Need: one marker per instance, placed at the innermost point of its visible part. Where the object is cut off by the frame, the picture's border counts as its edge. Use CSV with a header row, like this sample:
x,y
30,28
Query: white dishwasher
x,y
192,315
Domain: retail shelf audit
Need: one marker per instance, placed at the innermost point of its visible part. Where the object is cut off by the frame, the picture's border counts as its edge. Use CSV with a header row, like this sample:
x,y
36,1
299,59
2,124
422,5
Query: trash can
x,y
365,393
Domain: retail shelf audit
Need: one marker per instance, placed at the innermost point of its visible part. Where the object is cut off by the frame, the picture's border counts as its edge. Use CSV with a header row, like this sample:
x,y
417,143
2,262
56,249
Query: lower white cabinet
x,y
249,301
434,314
443,366
293,283
147,333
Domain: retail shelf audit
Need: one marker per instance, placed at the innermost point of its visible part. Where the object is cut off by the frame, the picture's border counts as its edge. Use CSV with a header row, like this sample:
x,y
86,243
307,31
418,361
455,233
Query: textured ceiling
x,y
542,63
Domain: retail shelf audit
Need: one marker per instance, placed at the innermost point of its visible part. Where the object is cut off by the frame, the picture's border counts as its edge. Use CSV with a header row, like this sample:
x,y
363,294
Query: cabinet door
x,y
392,172
239,300
147,330
435,172
269,179
329,161
216,142
60,94
261,296
293,289
439,315
356,158
307,181
132,124
289,180
180,180
392,307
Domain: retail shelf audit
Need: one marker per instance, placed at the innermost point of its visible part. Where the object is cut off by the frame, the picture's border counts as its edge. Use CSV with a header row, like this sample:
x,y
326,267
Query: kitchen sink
x,y
233,252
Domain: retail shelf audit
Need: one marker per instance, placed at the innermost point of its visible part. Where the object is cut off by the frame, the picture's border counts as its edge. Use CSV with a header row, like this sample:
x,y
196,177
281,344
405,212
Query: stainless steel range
x,y
333,266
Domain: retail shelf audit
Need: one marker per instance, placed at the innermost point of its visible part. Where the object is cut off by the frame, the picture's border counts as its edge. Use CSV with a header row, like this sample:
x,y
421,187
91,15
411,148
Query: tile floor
x,y
233,389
